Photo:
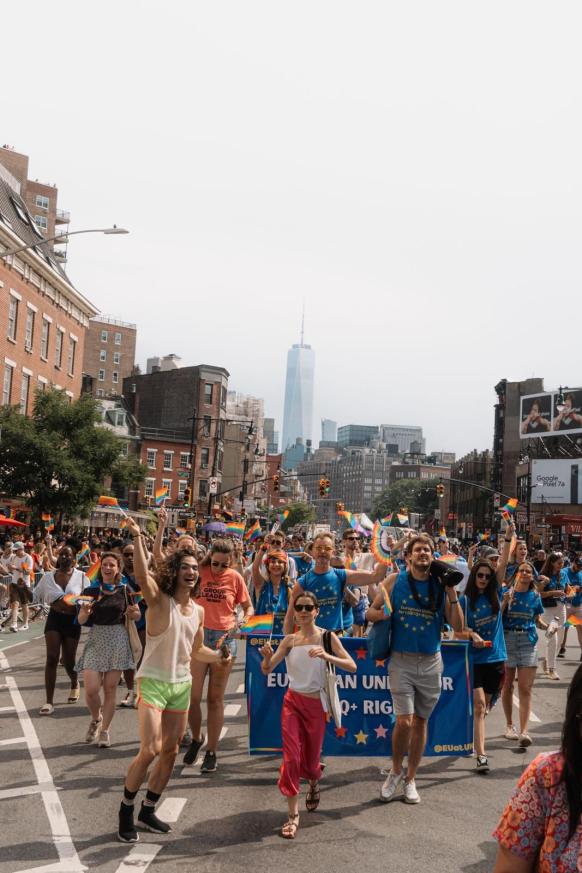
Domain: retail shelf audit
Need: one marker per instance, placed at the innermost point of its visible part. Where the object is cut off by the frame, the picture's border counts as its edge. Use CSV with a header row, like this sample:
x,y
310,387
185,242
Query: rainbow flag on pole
x,y
161,494
106,500
235,528
347,516
253,532
282,516
387,605
47,520
259,624
92,573
509,508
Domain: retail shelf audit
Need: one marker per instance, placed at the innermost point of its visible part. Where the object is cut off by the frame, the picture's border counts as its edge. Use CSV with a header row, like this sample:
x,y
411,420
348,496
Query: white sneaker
x,y
14,628
411,795
511,733
525,740
391,786
24,627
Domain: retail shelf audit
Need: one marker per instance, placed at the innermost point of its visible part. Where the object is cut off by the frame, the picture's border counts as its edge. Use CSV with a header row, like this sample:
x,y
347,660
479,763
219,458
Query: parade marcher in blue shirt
x,y
271,595
328,584
522,608
574,608
551,586
421,604
481,605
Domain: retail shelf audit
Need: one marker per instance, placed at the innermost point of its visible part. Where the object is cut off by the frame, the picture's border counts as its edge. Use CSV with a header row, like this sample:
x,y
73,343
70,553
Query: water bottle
x,y
552,628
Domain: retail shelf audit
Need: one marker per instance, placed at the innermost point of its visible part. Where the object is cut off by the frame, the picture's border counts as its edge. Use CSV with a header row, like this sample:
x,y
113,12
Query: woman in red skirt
x,y
303,714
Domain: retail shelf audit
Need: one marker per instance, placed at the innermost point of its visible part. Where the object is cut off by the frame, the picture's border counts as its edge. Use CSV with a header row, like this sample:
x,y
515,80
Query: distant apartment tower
x,y
328,430
356,435
41,199
272,436
109,356
298,411
403,436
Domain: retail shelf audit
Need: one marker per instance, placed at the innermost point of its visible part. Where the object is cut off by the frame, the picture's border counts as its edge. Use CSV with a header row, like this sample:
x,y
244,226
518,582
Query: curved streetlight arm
x,y
62,237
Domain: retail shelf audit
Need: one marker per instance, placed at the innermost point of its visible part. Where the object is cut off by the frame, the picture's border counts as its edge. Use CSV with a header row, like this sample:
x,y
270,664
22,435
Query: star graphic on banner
x,y
381,663
381,731
361,737
361,654
341,732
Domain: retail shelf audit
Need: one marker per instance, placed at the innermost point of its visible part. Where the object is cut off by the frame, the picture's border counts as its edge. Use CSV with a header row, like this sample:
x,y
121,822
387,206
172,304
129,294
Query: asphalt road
x,y
59,797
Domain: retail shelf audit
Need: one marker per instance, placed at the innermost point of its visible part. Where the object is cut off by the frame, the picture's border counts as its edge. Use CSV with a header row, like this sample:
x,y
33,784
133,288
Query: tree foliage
x,y
57,459
417,495
299,513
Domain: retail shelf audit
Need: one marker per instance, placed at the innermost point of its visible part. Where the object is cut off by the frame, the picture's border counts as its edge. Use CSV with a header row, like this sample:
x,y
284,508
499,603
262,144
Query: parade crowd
x,y
164,616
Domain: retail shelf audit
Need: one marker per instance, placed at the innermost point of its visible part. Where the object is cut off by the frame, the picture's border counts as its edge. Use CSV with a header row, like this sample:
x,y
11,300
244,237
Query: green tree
x,y
57,459
299,513
415,494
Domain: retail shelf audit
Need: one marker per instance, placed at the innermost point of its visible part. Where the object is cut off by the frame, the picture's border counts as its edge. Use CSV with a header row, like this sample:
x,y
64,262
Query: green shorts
x,y
164,696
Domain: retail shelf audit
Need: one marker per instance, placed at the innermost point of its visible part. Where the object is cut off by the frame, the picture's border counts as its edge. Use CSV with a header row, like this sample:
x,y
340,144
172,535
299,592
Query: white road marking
x,y
139,859
169,810
4,665
532,715
12,741
24,790
241,688
57,867
69,860
13,646
232,709
6,709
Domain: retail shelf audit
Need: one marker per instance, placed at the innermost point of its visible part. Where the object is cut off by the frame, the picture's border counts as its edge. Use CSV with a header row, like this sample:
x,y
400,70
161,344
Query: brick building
x,y
109,356
43,317
181,410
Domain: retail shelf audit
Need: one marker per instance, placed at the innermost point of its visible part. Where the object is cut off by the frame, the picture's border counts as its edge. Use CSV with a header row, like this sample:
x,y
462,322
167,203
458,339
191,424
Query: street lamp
x,y
63,238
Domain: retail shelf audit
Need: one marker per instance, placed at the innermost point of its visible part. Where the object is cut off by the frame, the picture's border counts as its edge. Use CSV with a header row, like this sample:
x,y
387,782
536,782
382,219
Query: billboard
x,y
556,481
539,415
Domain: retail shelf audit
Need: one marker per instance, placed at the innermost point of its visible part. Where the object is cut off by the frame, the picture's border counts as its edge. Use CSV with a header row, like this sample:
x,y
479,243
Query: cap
x,y
490,552
18,546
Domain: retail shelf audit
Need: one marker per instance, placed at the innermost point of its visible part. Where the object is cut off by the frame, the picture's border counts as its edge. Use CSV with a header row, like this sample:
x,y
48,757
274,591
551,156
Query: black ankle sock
x,y
128,797
151,799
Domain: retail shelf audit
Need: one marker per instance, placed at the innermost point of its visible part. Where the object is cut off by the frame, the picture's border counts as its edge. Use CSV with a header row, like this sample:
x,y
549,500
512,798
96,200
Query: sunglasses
x,y
483,575
354,539
308,607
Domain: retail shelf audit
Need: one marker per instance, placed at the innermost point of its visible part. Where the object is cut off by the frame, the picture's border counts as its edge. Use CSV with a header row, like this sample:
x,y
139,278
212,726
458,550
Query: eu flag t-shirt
x,y
329,590
488,625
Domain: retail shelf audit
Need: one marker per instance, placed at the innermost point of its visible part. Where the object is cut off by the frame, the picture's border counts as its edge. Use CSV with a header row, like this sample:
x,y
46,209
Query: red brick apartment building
x,y
109,355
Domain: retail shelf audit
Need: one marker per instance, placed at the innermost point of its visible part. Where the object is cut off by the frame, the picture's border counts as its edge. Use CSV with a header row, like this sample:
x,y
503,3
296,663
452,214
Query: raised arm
x,y
147,583
366,577
258,579
270,660
504,559
159,554
375,611
288,623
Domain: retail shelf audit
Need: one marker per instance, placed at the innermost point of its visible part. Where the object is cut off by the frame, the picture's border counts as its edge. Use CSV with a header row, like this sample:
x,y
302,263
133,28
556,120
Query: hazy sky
x,y
411,169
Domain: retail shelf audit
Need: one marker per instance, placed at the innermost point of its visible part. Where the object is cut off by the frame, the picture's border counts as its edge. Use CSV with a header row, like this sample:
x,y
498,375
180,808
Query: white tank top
x,y
167,655
306,675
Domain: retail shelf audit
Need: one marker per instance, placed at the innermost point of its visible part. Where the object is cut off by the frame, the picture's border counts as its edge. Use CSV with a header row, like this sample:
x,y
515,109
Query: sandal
x,y
46,709
74,694
290,827
312,797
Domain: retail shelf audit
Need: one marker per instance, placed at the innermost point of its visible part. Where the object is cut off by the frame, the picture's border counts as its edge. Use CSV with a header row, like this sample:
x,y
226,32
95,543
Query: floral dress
x,y
534,823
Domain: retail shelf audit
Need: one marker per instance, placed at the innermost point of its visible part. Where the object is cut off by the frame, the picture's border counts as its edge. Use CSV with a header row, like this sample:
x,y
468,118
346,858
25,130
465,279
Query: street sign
x,y
183,474
212,485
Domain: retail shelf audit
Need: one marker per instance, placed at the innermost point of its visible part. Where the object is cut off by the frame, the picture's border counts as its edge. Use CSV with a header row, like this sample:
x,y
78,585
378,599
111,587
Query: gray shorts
x,y
415,682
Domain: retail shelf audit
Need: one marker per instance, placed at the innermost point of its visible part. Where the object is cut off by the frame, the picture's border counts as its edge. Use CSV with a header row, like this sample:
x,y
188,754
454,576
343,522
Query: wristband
x,y
453,602
506,540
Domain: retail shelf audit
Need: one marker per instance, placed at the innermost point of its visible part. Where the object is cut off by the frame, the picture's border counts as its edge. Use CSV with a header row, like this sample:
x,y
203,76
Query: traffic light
x,y
440,491
187,495
339,507
276,482
322,482
327,486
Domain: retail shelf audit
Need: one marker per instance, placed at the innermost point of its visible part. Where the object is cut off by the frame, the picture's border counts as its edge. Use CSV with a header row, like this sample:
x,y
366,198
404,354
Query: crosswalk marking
x,y
169,810
232,709
139,859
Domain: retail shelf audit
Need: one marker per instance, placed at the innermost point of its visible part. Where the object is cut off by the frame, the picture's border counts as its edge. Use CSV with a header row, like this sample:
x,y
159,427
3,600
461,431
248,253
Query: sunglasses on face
x,y
308,607
352,539
483,575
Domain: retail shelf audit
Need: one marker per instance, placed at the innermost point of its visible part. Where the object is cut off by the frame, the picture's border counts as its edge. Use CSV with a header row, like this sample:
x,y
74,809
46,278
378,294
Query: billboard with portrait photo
x,y
536,415
569,420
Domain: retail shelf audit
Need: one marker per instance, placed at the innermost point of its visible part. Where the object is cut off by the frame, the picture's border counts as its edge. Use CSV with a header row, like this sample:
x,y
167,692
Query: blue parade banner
x,y
368,717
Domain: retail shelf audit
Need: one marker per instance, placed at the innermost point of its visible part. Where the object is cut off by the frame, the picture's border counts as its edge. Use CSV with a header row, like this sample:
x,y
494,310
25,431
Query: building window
x,y
149,487
115,377
7,386
124,450
223,397
117,339
41,384
182,483
41,201
101,376
204,457
151,458
100,392
208,392
104,336
71,358
44,339
168,460
103,355
167,483
116,358
24,392
184,460
203,488
41,221
12,318
207,423
59,350
29,330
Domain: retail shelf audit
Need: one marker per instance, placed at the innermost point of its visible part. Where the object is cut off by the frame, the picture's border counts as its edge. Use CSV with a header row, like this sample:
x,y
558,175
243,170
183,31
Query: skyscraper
x,y
298,412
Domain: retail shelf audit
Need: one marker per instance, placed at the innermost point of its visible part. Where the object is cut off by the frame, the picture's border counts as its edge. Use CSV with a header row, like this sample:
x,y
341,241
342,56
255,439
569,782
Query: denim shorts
x,y
214,638
520,651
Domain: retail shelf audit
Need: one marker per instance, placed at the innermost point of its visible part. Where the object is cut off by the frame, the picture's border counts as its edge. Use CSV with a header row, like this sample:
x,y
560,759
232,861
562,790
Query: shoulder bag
x,y
134,640
330,688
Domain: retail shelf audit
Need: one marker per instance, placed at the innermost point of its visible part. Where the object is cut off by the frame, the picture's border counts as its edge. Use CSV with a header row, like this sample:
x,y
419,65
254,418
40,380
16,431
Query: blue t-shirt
x,y
415,627
557,583
302,565
520,615
575,580
267,603
489,626
329,590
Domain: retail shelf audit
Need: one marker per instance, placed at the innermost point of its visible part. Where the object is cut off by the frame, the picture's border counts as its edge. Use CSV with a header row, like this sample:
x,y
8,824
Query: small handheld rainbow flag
x,y
347,516
442,532
107,500
81,554
484,536
402,519
253,532
259,624
282,516
235,528
573,621
387,605
92,573
509,508
161,494
47,520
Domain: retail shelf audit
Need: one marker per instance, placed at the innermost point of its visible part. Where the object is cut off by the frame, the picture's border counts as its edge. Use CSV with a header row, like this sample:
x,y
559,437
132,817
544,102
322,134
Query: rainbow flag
x,y
442,532
253,532
510,506
180,531
259,624
161,494
347,516
83,552
282,516
92,573
573,621
484,536
449,558
377,548
402,519
387,605
235,528
47,520
106,500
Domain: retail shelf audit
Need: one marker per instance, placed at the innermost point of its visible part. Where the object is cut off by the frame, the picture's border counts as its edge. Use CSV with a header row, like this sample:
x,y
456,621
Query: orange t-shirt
x,y
219,595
